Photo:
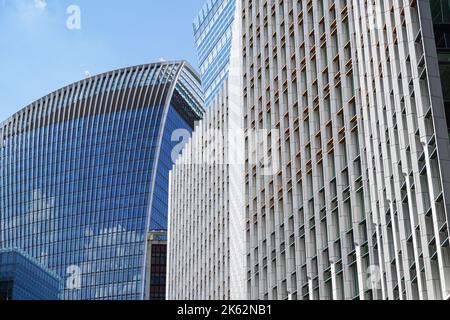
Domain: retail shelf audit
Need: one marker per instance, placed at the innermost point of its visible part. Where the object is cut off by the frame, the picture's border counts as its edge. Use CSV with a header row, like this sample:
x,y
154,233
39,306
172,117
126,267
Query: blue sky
x,y
39,54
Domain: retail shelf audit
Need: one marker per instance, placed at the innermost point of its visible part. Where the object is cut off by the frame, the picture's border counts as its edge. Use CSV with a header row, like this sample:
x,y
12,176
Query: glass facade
x,y
440,10
212,31
84,175
158,271
23,278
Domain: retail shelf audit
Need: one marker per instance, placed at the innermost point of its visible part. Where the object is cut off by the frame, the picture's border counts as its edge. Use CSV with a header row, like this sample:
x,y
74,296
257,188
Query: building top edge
x,y
181,63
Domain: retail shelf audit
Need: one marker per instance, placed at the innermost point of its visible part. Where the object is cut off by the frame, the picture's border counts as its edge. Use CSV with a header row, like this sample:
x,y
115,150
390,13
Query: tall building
x,y
212,32
23,278
156,264
359,208
205,242
205,246
84,175
199,213
346,192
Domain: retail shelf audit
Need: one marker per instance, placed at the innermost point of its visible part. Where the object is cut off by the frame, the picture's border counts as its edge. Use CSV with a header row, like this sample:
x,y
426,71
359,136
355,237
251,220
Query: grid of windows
x,y
200,210
23,278
82,184
212,31
205,246
158,272
357,204
353,89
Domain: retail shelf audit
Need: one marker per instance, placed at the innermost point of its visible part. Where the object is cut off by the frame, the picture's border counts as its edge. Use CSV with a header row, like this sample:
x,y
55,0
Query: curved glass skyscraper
x,y
84,175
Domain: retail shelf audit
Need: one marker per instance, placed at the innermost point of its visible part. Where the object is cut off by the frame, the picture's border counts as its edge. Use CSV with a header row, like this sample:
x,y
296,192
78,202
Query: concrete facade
x,y
359,207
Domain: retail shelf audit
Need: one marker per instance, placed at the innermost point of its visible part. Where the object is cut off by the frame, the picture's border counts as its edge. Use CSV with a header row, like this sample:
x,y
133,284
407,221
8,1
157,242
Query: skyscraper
x,y
156,264
359,207
346,150
205,246
212,32
206,189
84,174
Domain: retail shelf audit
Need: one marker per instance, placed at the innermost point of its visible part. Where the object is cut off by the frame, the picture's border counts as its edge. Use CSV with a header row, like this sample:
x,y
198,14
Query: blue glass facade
x,y
84,175
23,278
213,32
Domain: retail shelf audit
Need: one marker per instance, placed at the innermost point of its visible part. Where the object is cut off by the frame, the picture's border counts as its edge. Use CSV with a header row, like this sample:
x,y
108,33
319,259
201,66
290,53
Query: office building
x,y
205,249
84,175
156,264
359,207
206,223
213,33
346,151
23,278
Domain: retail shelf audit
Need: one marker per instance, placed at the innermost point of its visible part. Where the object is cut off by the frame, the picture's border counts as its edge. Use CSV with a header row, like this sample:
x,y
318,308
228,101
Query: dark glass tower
x,y
84,175
440,10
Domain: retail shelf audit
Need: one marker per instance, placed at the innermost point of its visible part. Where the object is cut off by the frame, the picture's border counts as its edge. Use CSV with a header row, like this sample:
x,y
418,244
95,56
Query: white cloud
x,y
40,4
